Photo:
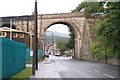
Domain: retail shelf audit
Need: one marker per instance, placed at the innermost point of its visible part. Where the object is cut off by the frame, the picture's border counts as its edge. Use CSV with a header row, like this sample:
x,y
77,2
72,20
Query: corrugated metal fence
x,y
12,57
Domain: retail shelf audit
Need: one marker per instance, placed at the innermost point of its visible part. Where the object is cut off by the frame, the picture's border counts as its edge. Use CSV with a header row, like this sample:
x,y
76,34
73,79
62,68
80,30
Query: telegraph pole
x,y
36,37
35,48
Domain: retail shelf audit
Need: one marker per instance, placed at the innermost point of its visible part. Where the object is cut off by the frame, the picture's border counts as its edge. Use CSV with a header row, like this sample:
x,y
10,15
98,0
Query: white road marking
x,y
103,74
97,71
108,75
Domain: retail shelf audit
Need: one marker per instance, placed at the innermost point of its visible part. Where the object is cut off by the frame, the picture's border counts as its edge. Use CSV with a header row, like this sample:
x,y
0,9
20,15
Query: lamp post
x,y
105,6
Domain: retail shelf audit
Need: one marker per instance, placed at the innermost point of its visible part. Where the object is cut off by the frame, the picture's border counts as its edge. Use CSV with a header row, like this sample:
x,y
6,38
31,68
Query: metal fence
x,y
29,56
40,55
12,57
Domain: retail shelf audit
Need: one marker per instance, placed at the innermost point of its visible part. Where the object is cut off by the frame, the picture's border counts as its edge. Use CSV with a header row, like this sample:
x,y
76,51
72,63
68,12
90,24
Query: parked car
x,y
57,54
47,54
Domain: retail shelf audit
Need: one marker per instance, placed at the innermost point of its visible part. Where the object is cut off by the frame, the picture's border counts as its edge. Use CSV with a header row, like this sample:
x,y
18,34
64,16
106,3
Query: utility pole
x,y
35,51
36,37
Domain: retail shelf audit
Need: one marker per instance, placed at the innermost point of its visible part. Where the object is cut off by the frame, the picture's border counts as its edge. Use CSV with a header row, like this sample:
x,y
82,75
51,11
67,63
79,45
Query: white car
x,y
57,54
47,54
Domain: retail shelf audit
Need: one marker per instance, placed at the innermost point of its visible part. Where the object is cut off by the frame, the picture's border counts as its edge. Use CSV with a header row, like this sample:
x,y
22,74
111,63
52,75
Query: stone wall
x,y
85,52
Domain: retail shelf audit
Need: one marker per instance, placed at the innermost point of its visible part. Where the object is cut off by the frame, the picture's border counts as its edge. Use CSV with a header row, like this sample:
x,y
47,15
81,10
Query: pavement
x,y
66,67
46,69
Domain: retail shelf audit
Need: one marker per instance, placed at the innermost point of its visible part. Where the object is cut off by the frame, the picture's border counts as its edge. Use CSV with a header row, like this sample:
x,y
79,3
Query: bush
x,y
98,52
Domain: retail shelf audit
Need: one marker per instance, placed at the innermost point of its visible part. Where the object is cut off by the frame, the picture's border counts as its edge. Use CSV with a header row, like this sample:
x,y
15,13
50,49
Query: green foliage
x,y
97,51
100,52
110,28
89,7
108,34
61,44
71,42
68,44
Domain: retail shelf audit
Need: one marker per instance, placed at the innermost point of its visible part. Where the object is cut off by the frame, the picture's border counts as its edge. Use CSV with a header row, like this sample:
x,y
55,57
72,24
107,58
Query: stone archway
x,y
73,20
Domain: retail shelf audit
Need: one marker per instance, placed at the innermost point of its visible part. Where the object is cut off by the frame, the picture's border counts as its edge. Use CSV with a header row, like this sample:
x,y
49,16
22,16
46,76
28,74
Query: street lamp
x,y
105,5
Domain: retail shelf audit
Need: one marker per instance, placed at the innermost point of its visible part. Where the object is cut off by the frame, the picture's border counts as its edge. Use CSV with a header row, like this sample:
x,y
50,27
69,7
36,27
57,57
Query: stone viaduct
x,y
76,21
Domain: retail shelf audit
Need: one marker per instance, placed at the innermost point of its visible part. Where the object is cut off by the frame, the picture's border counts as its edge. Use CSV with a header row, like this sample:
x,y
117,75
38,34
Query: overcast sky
x,y
26,7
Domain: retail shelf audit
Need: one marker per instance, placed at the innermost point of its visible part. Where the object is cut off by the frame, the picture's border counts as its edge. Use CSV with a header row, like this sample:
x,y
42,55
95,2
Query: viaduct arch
x,y
75,20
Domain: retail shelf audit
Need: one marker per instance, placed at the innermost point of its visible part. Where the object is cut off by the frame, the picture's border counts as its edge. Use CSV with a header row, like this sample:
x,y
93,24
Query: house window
x,y
0,33
21,35
15,35
3,34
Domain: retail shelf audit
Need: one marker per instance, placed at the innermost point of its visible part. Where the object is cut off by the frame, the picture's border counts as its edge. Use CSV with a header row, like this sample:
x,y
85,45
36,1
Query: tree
x,y
71,43
89,7
61,44
109,32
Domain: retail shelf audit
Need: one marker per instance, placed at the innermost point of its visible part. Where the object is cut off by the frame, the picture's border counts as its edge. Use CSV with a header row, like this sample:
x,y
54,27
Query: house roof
x,y
6,29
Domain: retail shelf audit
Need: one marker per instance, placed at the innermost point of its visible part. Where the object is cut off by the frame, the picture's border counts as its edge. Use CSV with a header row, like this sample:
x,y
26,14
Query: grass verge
x,y
23,75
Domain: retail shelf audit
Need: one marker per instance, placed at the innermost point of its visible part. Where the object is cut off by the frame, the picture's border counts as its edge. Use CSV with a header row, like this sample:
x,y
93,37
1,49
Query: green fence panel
x,y
40,53
13,57
0,58
29,58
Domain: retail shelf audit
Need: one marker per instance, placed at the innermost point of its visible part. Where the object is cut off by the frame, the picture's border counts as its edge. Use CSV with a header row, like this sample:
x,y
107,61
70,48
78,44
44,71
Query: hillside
x,y
54,33
55,36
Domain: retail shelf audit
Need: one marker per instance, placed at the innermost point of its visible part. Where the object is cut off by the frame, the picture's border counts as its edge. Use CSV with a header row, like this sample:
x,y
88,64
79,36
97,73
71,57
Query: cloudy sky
x,y
26,7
